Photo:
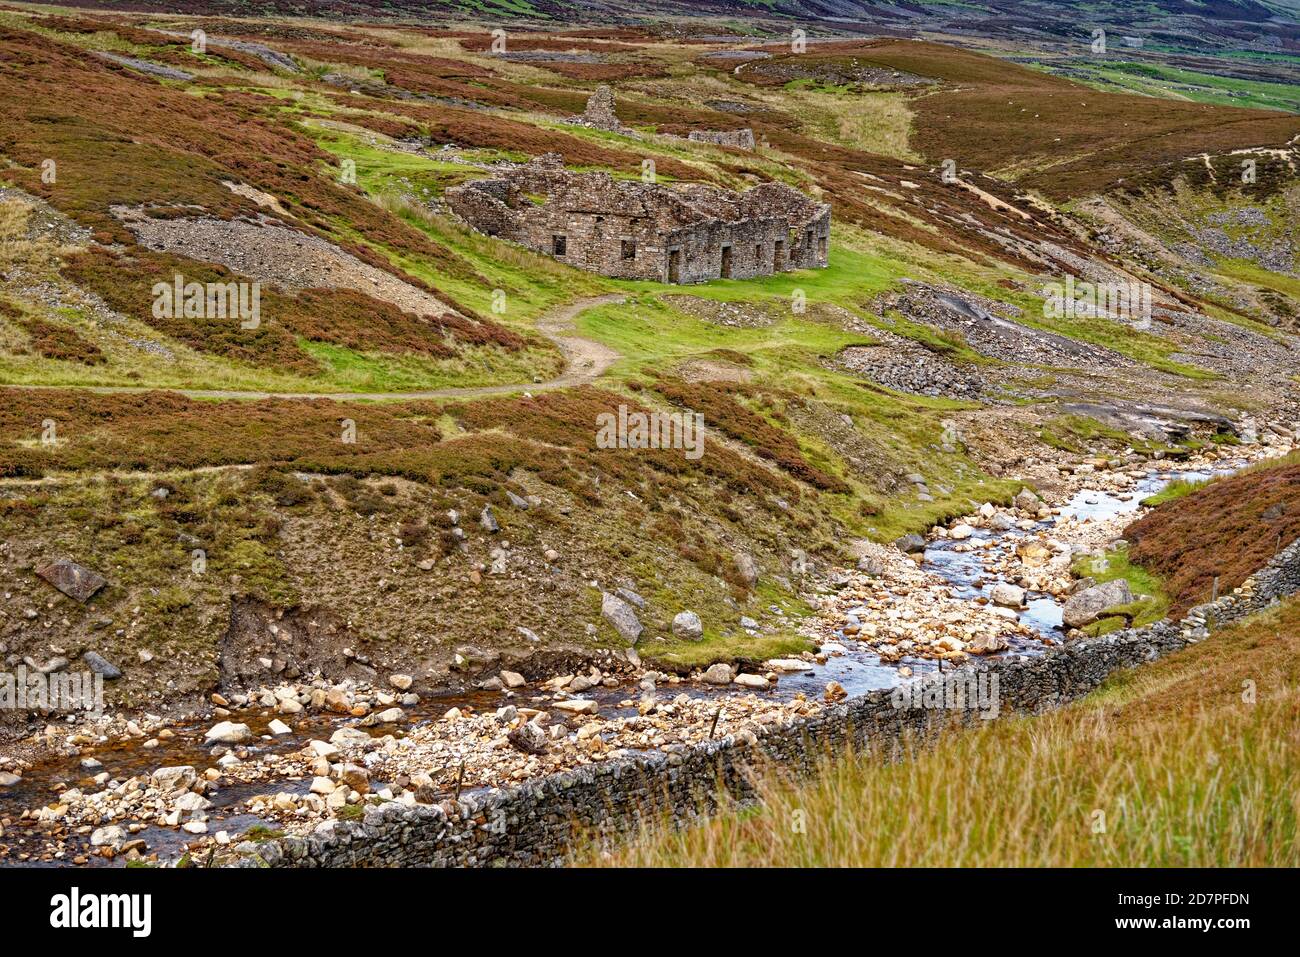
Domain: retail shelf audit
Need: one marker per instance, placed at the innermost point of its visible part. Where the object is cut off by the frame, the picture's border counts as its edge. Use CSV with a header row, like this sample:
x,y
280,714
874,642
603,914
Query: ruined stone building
x,y
634,230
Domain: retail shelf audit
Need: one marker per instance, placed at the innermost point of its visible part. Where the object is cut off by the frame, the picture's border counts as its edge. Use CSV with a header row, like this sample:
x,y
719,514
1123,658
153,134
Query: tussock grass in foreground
x,y
1168,765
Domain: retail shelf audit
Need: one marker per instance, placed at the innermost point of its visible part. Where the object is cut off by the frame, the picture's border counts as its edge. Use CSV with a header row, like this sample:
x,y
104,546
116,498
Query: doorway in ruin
x,y
726,262
778,255
674,265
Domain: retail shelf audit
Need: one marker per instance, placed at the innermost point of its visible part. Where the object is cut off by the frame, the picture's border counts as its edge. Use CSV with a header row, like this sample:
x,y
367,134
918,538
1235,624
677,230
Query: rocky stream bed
x,y
283,759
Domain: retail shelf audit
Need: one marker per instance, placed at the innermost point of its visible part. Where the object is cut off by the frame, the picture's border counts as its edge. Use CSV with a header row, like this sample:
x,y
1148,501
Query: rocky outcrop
x,y
622,616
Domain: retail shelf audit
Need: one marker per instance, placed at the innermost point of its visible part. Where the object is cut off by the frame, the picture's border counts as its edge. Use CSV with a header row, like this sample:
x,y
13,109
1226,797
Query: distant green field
x,y
1169,82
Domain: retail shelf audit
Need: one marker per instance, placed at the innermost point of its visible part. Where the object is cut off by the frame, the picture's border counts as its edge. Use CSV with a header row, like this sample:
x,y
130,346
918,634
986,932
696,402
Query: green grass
x,y
342,369
1171,82
1174,490
398,180
1077,433
1257,275
778,638
349,370
1150,604
1165,765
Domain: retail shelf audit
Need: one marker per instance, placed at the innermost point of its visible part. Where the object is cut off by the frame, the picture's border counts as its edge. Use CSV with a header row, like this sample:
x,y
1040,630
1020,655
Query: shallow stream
x,y
857,668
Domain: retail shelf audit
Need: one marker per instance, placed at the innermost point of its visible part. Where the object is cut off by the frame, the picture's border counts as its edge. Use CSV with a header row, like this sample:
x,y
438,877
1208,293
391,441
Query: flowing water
x,y
856,668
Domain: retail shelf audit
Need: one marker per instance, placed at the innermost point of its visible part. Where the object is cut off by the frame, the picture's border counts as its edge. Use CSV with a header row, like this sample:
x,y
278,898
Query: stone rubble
x,y
381,751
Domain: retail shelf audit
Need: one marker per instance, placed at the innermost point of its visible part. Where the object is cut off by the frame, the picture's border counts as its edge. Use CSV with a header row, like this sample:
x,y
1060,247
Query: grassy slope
x,y
1177,83
653,337
1168,765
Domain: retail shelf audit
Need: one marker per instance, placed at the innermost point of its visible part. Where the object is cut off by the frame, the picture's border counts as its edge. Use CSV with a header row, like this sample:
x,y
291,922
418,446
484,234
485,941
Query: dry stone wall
x,y
738,139
538,822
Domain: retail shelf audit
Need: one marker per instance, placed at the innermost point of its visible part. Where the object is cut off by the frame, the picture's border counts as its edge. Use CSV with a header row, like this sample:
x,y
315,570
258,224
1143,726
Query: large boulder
x,y
622,616
528,738
1027,501
174,778
110,835
747,569
76,581
687,626
227,732
1093,603
719,674
910,543
1007,595
987,643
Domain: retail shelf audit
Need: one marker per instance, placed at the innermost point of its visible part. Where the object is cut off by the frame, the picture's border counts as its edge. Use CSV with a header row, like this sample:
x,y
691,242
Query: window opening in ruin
x,y
559,245
758,255
821,246
674,265
629,249
726,262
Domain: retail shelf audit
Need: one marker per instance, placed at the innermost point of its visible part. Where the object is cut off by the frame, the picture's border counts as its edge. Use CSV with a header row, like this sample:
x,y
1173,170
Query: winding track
x,y
584,361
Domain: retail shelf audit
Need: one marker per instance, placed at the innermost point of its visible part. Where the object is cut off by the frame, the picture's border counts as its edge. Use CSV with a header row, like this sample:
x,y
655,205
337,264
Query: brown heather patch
x,y
163,430
610,33
388,126
1229,528
558,43
386,58
88,25
353,319
440,77
722,411
569,420
1222,178
54,340
1057,136
159,142
551,436
159,46
482,131
604,72
343,317
125,282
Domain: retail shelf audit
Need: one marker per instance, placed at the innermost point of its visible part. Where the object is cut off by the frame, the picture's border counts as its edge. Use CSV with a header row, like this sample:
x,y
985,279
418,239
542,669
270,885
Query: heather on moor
x,y
744,433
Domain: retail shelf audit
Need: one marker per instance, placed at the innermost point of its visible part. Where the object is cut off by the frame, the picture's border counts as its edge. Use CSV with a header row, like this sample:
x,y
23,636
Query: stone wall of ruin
x,y
739,139
643,231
